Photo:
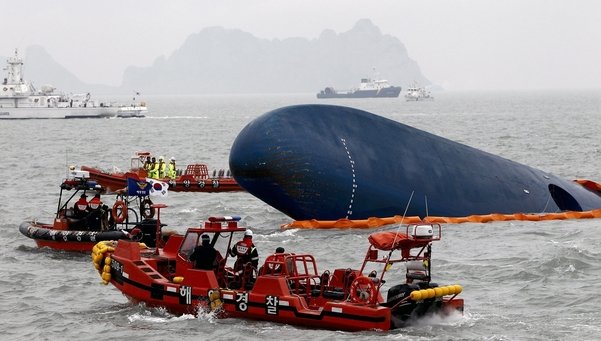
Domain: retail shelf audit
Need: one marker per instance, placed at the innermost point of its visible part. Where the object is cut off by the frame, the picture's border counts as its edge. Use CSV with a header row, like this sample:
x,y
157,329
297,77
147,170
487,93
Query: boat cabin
x,y
85,213
221,231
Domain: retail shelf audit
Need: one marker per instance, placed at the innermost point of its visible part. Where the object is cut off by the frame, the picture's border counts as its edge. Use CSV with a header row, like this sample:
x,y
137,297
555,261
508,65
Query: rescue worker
x,y
171,170
246,252
95,203
278,256
204,256
95,213
161,169
81,206
147,164
153,172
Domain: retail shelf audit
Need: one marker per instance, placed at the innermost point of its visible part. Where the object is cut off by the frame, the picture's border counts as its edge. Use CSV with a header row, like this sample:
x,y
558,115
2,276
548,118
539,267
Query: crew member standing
x,y
153,171
204,256
147,164
171,170
246,252
162,166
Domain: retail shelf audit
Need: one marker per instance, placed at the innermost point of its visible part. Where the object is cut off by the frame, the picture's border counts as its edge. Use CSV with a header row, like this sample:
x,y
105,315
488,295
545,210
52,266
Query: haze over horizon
x,y
460,45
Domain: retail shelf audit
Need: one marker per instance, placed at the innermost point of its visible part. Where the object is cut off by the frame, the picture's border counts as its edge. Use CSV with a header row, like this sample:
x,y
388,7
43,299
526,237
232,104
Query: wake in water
x,y
157,316
144,314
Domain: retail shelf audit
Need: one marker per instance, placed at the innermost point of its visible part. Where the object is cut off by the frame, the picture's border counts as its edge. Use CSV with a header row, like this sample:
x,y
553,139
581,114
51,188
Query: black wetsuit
x,y
204,257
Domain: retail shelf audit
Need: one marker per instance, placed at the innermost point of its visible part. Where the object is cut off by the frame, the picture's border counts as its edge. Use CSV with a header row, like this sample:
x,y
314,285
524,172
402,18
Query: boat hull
x,y
166,279
45,235
330,162
184,183
388,92
56,113
132,112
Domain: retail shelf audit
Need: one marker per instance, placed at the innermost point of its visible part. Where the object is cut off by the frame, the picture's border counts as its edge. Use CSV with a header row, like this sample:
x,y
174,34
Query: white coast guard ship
x,y
21,100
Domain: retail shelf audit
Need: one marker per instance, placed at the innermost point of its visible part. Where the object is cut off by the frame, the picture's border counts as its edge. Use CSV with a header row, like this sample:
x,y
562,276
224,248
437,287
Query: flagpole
x,y
159,234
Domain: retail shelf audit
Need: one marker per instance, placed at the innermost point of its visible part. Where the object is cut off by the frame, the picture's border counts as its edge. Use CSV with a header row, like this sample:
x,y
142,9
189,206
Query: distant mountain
x,y
219,60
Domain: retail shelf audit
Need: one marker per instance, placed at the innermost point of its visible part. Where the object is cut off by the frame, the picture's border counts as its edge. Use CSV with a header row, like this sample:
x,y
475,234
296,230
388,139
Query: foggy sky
x,y
470,44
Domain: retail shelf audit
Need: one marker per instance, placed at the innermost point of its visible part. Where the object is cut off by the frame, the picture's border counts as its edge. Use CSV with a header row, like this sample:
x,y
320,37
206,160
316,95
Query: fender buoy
x,y
101,257
119,211
147,210
215,299
363,290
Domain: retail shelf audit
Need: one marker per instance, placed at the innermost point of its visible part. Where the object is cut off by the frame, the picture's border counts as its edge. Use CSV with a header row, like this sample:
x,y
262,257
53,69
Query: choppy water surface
x,y
522,280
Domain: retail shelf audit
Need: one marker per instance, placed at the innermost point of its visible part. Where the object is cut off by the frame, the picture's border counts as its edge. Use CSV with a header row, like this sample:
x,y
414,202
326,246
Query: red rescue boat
x,y
287,288
83,218
193,178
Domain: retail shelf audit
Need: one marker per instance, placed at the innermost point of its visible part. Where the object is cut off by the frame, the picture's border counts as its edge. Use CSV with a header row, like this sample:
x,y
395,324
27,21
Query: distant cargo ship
x,y
368,88
329,162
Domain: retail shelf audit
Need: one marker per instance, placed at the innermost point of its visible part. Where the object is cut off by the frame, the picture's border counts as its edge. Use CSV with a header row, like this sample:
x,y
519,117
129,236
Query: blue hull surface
x,y
329,162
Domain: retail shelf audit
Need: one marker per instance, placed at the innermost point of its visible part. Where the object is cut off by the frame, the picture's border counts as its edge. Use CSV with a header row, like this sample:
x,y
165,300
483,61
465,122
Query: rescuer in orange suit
x,y
246,252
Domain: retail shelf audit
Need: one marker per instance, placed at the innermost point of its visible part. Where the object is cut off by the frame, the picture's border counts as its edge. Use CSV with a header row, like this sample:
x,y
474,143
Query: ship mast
x,y
15,70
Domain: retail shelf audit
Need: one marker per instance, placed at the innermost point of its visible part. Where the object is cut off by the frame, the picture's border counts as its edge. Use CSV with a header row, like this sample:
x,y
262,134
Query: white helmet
x,y
172,158
248,233
161,158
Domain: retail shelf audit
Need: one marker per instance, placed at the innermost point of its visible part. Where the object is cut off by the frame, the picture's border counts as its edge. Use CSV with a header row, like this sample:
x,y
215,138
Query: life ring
x,y
146,209
363,290
119,211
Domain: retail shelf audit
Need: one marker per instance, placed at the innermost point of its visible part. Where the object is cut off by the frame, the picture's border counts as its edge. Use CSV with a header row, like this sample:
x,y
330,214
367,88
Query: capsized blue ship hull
x,y
329,162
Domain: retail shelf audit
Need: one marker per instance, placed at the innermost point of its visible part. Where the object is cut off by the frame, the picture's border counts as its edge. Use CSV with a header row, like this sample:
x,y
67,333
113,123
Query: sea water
x,y
521,280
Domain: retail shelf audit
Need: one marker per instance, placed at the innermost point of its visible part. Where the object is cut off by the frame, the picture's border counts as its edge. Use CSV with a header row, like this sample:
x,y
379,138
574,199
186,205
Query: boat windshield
x,y
189,243
221,241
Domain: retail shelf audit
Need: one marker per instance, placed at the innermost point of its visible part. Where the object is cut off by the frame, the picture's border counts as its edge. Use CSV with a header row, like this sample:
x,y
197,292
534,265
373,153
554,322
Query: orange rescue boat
x,y
193,178
287,288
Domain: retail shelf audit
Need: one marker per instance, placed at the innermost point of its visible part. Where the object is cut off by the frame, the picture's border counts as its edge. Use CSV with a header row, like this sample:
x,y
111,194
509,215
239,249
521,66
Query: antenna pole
x,y
400,224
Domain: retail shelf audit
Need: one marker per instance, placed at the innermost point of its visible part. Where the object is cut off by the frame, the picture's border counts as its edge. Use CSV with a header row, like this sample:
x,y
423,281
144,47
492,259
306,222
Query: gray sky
x,y
469,44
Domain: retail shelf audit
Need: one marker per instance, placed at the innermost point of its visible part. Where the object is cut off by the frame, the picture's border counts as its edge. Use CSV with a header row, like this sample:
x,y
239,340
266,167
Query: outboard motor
x,y
149,231
399,292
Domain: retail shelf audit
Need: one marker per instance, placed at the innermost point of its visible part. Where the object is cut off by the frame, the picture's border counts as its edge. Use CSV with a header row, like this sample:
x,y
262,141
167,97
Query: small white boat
x,y
133,111
22,100
415,93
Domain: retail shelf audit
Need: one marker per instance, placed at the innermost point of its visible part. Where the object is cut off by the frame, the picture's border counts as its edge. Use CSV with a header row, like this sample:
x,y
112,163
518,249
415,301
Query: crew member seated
x,y
81,206
95,216
271,268
95,203
204,256
278,257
